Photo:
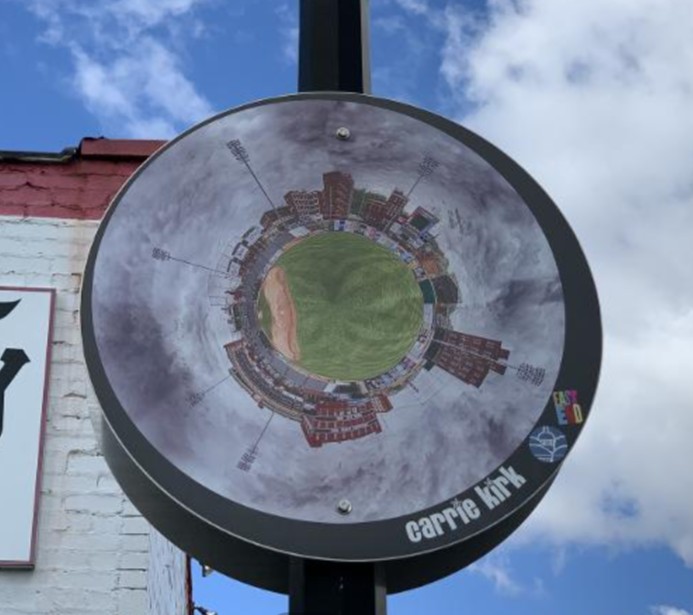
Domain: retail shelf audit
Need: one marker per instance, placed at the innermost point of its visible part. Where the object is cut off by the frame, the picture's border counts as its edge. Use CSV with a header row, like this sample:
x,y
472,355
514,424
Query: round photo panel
x,y
340,327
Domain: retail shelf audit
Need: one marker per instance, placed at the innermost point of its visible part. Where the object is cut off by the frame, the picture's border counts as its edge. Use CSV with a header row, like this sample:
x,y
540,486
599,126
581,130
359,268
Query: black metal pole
x,y
334,588
334,56
334,46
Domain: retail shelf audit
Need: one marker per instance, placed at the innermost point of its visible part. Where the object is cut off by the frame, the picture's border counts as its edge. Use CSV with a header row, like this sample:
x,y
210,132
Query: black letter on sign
x,y
7,307
13,360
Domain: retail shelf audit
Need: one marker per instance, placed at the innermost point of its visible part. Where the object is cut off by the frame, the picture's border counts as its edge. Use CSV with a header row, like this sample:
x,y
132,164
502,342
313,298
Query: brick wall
x,y
95,553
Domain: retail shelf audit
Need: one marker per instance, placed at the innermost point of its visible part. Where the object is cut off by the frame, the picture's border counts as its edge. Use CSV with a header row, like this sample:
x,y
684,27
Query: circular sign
x,y
337,327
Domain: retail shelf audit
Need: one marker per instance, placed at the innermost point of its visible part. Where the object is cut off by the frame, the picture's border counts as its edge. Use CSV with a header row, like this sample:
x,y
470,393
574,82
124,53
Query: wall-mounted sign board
x,y
336,327
25,335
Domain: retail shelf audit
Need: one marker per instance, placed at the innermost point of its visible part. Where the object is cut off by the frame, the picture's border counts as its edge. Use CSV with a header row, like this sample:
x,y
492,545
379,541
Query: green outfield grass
x,y
359,307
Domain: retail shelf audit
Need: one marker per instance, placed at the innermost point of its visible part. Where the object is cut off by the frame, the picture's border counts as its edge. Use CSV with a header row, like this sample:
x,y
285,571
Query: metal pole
x,y
334,588
334,46
334,56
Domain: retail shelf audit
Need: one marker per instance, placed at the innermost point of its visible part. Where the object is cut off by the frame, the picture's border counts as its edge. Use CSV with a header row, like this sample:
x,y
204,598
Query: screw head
x,y
343,133
344,507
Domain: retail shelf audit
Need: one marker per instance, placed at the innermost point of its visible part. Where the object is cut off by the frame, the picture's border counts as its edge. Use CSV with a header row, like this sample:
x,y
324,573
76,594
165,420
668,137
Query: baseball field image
x,y
341,306
342,299
379,318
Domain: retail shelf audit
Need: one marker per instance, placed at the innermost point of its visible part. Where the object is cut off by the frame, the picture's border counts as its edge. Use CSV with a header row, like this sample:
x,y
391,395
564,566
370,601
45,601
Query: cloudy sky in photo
x,y
593,98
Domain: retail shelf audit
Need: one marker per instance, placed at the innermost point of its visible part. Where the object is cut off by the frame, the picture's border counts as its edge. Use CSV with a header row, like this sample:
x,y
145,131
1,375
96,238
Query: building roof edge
x,y
94,148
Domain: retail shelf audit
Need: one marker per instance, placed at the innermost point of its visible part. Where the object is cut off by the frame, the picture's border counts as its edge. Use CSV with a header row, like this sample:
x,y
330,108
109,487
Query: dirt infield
x,y
281,305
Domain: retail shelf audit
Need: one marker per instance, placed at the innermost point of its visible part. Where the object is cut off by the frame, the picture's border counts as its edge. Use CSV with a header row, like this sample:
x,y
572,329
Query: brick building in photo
x,y
338,191
468,357
94,552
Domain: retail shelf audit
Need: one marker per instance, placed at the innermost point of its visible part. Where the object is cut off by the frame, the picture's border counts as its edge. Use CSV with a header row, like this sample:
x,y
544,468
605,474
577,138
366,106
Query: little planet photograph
x,y
343,302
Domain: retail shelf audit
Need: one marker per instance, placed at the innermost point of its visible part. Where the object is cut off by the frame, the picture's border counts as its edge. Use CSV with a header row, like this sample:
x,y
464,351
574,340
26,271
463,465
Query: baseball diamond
x,y
359,307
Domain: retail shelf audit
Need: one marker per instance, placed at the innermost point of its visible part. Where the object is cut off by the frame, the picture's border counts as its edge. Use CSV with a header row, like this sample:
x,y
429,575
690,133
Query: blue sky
x,y
594,98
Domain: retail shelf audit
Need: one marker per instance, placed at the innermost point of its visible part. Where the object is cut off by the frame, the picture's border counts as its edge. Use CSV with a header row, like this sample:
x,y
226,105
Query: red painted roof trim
x,y
101,148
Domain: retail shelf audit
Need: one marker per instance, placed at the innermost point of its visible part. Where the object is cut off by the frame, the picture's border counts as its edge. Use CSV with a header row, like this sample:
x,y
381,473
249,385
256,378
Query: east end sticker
x,y
568,410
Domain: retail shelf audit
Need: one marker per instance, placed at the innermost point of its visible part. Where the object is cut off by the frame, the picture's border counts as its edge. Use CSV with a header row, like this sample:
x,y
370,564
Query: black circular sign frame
x,y
255,546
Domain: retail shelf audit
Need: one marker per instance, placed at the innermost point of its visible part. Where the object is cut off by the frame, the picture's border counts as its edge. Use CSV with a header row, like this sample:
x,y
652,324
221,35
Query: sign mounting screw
x,y
344,507
343,133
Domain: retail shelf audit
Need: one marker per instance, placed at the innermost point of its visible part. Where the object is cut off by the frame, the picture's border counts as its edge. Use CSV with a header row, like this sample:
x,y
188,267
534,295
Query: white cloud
x,y
400,23
126,68
667,610
417,7
127,16
288,32
496,568
498,572
150,12
594,99
391,24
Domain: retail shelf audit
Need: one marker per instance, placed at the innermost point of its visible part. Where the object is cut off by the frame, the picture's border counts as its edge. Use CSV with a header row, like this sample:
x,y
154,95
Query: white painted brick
x,y
61,557
106,483
167,569
73,425
93,547
104,525
67,408
76,485
134,561
14,593
131,600
66,334
94,580
80,523
133,579
135,542
50,501
54,520
82,462
71,601
129,509
94,541
97,504
135,525
54,457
